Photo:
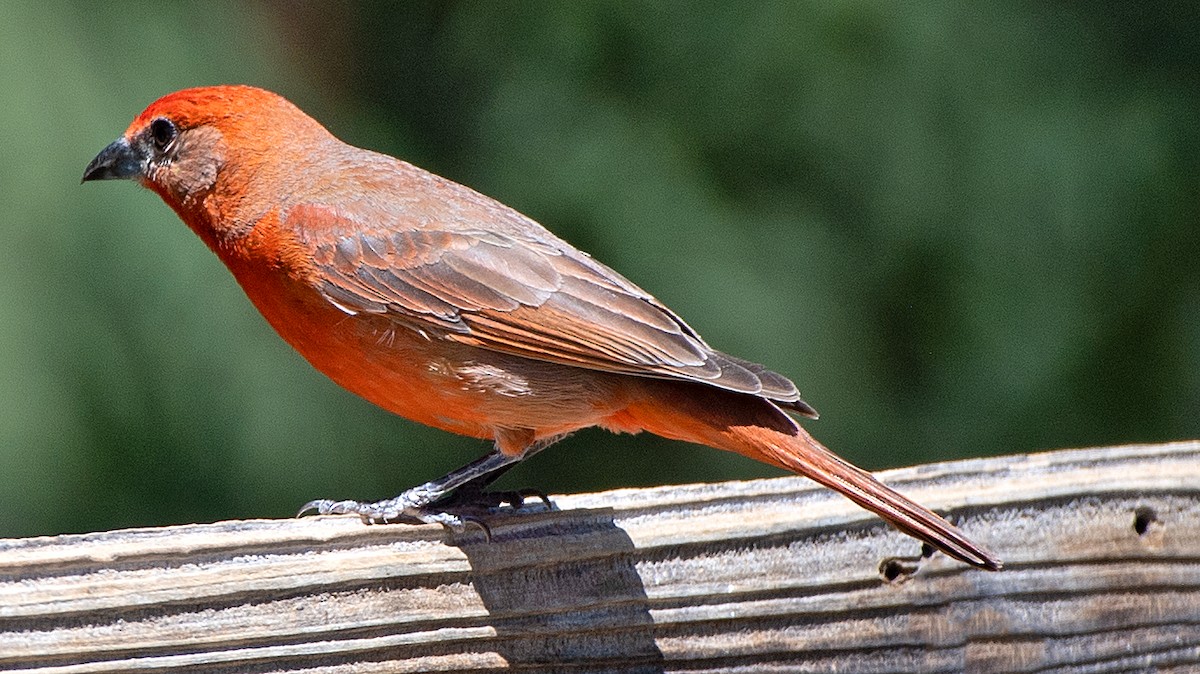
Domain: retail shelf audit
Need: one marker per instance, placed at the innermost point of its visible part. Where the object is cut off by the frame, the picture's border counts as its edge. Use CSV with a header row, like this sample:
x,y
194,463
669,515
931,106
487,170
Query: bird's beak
x,y
118,161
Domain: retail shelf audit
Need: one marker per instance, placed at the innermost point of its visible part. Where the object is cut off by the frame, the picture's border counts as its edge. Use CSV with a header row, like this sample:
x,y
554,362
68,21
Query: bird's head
x,y
207,151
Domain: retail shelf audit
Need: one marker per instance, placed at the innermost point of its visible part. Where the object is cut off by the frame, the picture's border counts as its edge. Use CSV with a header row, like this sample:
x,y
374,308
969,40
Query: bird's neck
x,y
224,214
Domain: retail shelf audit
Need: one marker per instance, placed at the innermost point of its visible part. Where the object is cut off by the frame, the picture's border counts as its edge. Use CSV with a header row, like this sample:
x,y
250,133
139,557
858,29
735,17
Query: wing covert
x,y
534,297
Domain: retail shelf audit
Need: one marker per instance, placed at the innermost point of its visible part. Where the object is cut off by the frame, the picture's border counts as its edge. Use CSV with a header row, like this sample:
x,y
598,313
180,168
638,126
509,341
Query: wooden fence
x,y
1101,547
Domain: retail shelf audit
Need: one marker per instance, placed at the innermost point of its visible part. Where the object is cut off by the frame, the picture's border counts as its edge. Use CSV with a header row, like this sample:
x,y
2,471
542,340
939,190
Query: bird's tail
x,y
757,428
800,453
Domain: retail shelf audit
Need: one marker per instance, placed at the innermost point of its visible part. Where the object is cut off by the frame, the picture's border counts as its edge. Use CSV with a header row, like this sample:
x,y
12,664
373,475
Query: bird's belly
x,y
433,381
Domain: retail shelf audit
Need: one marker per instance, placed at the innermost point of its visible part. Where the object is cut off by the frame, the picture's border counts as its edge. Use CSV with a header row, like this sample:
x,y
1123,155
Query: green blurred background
x,y
963,230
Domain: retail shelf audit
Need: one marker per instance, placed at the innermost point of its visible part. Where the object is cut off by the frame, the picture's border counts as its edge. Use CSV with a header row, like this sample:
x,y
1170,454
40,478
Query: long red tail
x,y
802,454
756,428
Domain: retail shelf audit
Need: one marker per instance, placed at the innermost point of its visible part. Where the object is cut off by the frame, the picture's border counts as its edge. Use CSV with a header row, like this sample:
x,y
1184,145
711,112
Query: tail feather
x,y
801,453
759,429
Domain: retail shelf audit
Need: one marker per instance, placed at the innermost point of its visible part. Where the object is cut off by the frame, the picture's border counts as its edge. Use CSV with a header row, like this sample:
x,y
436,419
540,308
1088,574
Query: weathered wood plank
x,y
1101,546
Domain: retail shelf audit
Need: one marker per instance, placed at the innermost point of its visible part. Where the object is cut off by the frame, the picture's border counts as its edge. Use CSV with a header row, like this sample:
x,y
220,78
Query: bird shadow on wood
x,y
563,589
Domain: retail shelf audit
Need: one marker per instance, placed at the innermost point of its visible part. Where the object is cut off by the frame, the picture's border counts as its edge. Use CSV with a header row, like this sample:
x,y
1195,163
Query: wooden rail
x,y
1101,546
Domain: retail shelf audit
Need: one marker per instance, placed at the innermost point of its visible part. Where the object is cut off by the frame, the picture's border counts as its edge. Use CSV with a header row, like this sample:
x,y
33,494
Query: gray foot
x,y
456,500
411,506
429,506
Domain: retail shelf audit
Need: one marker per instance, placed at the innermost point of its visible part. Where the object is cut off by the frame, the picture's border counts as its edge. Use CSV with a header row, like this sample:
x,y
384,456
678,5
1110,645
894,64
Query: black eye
x,y
163,132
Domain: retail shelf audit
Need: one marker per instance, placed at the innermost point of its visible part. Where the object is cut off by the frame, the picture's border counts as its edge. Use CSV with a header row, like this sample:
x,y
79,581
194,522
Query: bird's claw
x,y
455,511
407,507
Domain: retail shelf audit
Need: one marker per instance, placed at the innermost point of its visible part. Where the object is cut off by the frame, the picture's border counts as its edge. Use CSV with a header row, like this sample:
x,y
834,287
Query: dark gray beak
x,y
118,161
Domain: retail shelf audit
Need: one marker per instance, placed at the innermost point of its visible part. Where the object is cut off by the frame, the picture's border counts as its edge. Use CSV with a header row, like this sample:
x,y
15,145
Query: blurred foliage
x,y
964,230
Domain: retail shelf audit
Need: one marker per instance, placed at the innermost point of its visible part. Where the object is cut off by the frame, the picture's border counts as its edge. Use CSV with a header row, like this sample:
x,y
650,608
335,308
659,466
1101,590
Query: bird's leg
x,y
430,502
414,503
476,494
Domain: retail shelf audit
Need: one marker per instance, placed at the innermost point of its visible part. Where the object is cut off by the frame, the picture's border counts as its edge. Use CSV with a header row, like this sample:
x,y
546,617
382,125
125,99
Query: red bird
x,y
447,307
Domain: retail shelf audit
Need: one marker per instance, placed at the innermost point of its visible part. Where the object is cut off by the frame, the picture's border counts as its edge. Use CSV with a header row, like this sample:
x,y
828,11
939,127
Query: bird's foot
x,y
456,509
413,506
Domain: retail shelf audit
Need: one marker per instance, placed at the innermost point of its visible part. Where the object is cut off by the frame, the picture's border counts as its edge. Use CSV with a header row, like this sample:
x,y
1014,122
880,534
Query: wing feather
x,y
534,297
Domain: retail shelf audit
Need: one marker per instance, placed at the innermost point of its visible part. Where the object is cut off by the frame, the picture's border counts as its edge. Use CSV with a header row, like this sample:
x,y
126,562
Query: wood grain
x,y
1101,546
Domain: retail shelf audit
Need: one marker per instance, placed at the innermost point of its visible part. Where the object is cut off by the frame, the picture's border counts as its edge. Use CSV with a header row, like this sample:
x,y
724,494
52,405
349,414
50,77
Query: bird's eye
x,y
163,131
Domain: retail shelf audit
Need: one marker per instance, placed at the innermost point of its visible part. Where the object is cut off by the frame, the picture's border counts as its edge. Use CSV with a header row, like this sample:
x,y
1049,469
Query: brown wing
x,y
534,297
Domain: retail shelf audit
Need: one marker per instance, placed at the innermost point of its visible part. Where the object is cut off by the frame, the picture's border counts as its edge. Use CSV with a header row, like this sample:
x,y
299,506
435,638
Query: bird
x,y
448,308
